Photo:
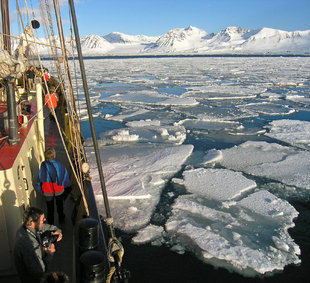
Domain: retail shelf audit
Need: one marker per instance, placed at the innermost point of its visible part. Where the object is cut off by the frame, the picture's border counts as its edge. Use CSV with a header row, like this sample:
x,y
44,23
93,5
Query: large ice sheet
x,y
218,184
224,91
294,132
284,164
134,178
267,108
249,236
150,97
299,98
266,204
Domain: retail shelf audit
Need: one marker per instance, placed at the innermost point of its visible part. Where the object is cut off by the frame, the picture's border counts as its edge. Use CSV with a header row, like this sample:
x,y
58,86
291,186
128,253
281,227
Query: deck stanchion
x,y
12,113
39,98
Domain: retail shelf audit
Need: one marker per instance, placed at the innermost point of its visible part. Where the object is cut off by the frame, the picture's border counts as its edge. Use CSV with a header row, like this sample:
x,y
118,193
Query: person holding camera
x,y
34,245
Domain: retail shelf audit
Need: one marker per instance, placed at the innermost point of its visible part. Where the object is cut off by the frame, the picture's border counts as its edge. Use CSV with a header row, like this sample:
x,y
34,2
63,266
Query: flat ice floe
x,y
249,235
134,179
294,132
276,162
224,91
150,97
267,108
209,183
299,98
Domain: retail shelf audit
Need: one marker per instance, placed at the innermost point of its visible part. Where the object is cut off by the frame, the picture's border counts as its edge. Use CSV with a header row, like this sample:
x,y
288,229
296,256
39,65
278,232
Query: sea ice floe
x,y
150,233
224,91
150,97
212,156
124,135
299,99
209,183
134,179
268,205
122,117
294,132
209,124
249,236
146,131
267,108
143,123
276,162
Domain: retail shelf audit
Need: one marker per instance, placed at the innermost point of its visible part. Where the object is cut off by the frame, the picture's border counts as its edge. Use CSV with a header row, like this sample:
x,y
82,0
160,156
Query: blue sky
x,y
156,17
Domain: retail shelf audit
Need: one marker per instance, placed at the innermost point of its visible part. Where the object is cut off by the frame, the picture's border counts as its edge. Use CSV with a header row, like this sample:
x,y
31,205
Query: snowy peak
x,y
235,33
272,40
179,40
121,38
95,42
280,34
192,31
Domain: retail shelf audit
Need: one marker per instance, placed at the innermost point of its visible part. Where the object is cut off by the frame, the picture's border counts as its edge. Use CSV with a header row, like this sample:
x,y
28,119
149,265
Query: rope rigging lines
x,y
71,137
76,156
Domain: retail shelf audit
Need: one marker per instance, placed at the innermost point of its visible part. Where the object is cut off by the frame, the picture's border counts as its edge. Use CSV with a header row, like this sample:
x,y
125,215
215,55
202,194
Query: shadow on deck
x,y
63,258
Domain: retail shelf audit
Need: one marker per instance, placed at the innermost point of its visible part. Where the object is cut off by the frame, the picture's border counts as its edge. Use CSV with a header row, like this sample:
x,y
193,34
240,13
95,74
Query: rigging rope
x,y
115,249
75,139
79,153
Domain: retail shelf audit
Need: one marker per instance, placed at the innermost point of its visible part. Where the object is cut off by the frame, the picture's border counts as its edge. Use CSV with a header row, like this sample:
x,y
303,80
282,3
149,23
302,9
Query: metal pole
x,y
91,121
63,48
6,25
39,98
12,116
11,102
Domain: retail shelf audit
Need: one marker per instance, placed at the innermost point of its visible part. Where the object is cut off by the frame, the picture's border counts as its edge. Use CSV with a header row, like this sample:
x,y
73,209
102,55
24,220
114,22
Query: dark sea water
x,y
281,76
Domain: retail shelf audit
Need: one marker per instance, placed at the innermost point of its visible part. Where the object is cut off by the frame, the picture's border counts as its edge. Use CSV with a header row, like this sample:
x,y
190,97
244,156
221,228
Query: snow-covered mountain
x,y
226,40
179,40
192,40
94,44
278,41
117,37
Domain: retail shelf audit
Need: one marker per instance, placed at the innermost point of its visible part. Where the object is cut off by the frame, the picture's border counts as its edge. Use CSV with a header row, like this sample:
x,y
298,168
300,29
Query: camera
x,y
48,238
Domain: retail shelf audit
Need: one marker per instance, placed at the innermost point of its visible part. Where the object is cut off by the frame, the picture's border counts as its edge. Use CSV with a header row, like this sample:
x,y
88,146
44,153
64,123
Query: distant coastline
x,y
87,57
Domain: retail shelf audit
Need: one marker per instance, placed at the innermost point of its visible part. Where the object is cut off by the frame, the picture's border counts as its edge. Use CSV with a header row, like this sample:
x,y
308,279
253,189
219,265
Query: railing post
x,y
12,114
40,116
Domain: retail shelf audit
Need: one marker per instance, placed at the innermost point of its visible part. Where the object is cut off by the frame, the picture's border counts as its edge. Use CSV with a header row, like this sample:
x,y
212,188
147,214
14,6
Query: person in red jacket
x,y
46,75
51,101
54,183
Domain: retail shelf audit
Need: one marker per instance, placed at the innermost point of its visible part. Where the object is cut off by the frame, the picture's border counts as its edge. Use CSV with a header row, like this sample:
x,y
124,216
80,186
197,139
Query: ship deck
x,y
9,153
63,258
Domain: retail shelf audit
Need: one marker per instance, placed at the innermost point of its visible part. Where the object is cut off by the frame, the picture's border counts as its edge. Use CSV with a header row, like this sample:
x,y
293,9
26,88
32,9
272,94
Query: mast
x,y
9,81
6,25
91,120
115,250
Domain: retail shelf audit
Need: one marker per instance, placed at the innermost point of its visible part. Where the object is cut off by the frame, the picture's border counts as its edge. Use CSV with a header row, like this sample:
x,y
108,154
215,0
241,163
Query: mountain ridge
x,y
192,41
